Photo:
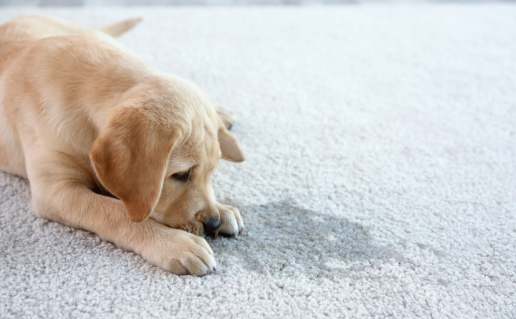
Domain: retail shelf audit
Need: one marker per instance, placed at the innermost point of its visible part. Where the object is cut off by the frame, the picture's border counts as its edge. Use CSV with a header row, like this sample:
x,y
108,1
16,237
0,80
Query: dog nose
x,y
211,224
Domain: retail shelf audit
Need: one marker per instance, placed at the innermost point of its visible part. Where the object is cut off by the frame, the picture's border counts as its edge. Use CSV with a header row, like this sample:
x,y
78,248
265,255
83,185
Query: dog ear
x,y
229,146
130,158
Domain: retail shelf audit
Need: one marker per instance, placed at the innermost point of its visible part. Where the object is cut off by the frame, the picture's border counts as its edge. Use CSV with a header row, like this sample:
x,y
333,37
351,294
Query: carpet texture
x,y
380,179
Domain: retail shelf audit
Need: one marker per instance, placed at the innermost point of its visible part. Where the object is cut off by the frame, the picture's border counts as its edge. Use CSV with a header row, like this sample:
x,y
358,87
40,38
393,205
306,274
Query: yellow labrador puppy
x,y
107,141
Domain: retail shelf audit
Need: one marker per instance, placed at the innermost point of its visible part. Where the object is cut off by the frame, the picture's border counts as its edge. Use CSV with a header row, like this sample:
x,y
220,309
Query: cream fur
x,y
106,141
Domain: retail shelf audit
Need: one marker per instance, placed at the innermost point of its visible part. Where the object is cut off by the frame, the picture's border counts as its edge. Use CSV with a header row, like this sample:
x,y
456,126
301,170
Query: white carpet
x,y
380,180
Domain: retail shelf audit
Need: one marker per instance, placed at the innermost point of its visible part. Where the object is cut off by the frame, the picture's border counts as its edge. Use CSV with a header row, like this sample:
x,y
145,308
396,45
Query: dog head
x,y
157,151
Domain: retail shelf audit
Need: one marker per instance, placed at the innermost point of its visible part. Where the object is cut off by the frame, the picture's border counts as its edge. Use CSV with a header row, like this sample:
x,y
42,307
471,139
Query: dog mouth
x,y
212,234
203,234
192,229
207,229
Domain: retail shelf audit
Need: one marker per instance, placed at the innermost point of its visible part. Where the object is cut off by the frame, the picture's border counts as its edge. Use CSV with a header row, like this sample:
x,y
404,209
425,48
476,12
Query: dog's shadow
x,y
283,238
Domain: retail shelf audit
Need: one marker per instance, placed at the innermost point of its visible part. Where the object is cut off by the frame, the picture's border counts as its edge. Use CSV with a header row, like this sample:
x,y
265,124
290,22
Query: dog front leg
x,y
231,222
72,203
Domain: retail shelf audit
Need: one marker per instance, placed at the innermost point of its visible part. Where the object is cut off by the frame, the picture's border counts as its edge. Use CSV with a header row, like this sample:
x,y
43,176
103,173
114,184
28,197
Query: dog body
x,y
107,141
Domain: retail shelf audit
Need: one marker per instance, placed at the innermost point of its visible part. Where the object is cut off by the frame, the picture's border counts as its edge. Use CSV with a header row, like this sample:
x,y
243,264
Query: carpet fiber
x,y
380,180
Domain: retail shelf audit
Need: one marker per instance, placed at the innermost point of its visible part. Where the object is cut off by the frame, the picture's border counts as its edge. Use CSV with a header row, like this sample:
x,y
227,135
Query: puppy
x,y
107,141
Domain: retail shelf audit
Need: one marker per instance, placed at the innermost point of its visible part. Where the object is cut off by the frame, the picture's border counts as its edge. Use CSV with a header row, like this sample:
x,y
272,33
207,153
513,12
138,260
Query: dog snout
x,y
211,224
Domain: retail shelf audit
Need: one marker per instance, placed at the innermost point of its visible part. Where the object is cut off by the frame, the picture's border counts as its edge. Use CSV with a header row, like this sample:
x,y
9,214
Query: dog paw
x,y
231,222
179,252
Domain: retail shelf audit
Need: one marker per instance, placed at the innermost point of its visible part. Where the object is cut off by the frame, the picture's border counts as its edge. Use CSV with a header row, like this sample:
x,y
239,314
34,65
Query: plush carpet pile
x,y
380,180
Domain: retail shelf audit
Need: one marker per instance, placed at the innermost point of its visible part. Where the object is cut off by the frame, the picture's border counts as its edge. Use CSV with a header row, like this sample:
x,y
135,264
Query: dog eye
x,y
182,176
